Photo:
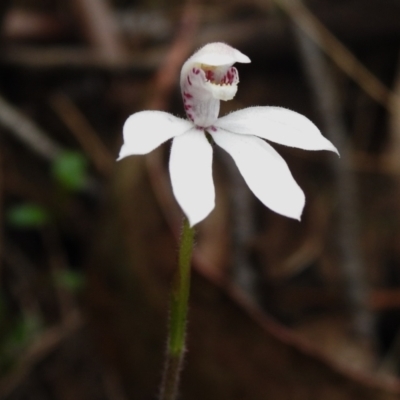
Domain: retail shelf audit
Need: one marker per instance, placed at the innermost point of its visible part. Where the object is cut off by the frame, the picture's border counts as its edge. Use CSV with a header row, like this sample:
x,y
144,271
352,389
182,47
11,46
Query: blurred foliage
x,y
27,215
70,170
20,333
74,281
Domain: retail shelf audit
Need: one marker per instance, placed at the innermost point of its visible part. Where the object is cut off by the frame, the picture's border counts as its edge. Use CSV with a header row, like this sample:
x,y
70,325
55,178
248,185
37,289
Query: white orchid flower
x,y
207,77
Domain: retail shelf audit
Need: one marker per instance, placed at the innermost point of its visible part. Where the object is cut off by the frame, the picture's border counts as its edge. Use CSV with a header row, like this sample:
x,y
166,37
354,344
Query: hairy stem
x,y
178,317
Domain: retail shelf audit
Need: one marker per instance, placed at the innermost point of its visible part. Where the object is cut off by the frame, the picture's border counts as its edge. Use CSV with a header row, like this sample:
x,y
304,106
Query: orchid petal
x,y
278,125
265,172
190,168
146,130
216,54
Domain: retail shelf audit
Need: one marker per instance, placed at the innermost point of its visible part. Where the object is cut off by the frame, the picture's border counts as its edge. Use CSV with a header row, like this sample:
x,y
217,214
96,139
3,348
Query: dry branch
x,y
350,260
84,133
340,54
27,131
41,348
100,28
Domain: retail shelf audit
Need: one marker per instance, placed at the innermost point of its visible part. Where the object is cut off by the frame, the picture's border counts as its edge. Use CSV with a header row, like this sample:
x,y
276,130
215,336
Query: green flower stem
x,y
178,317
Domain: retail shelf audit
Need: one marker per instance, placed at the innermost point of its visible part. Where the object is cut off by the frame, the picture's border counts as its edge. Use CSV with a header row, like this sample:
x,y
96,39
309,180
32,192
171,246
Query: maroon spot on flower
x,y
233,72
229,77
213,128
190,116
210,75
189,81
196,71
187,95
188,107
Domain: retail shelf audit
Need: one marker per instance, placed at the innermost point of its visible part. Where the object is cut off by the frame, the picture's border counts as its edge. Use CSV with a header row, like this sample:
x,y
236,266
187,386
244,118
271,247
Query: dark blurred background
x,y
279,309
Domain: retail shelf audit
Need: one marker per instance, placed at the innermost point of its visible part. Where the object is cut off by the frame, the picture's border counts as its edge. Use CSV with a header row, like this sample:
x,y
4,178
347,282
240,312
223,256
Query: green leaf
x,y
27,215
70,170
70,280
25,329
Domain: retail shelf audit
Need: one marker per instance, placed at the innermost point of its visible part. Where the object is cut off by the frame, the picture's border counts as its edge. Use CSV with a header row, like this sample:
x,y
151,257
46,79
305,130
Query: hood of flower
x,y
208,77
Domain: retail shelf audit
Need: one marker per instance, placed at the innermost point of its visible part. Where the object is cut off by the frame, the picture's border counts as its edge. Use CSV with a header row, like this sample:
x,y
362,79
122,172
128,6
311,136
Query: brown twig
x,y
87,137
23,273
51,57
22,24
350,261
27,131
390,361
57,264
302,17
40,348
100,28
272,33
168,73
393,150
31,135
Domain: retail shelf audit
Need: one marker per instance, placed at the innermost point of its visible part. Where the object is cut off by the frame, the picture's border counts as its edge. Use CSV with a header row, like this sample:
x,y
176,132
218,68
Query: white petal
x,y
190,166
278,125
146,130
265,172
216,54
